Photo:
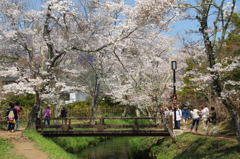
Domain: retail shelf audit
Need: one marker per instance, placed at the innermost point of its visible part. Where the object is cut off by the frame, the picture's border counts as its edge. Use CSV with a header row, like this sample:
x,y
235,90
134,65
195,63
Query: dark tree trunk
x,y
95,102
34,113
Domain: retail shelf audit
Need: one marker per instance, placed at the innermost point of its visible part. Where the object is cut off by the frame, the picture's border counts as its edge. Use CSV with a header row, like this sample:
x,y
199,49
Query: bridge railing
x,y
82,126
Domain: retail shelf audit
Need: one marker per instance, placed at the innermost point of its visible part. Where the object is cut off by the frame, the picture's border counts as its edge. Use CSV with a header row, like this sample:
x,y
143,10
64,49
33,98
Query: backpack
x,y
11,115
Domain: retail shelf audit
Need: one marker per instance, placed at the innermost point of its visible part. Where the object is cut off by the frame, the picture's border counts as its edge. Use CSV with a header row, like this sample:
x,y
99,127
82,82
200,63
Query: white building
x,y
77,96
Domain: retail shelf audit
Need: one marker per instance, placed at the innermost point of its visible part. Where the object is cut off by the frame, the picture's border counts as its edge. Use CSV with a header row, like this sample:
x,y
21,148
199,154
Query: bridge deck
x,y
68,129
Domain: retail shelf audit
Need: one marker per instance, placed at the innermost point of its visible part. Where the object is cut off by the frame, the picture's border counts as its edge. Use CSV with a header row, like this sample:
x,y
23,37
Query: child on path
x,y
12,117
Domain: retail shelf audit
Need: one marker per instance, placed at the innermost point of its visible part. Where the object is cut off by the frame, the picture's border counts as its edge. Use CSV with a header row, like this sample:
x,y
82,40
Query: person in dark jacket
x,y
185,116
212,119
64,115
11,123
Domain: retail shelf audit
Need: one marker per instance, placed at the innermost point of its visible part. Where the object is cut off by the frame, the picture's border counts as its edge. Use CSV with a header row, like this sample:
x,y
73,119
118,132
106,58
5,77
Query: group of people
x,y
206,117
47,114
13,116
184,114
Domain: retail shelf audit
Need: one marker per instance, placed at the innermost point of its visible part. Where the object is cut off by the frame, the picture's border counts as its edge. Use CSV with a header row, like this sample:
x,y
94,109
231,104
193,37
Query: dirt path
x,y
220,137
23,145
215,136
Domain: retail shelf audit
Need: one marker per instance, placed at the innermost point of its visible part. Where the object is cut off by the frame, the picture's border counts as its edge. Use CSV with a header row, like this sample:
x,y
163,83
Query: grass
x,y
7,150
190,146
48,146
76,144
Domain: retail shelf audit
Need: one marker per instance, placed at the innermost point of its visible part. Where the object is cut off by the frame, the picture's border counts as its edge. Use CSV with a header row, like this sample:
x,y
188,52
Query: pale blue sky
x,y
181,26
177,28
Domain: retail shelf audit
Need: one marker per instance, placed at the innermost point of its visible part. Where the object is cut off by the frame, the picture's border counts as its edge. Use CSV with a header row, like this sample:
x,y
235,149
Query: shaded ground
x,y
23,145
223,132
220,137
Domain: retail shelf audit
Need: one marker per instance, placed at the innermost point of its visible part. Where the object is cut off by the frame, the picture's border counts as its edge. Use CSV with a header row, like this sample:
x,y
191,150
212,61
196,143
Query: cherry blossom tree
x,y
214,19
39,42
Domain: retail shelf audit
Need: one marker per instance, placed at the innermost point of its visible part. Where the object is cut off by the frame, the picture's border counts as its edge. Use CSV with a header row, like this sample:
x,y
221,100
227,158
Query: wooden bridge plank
x,y
102,129
105,133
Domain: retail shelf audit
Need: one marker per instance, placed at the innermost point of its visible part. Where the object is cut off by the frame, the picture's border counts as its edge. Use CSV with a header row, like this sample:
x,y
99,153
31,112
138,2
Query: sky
x,y
178,28
181,26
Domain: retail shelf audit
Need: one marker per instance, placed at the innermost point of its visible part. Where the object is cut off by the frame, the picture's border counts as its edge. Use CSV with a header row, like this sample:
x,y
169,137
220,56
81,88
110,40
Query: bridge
x,y
81,127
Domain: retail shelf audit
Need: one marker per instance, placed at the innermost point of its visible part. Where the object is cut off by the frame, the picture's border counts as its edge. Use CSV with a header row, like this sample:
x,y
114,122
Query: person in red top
x,y
17,107
47,113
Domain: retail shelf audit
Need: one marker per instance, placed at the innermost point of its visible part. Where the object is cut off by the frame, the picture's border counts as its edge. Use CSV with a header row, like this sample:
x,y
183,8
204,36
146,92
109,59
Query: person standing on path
x,y
64,115
178,116
47,113
194,113
205,116
185,116
17,107
12,117
212,119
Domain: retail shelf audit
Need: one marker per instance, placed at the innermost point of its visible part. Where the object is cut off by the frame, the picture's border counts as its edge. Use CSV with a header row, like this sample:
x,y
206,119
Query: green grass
x,y
76,144
7,150
188,146
48,146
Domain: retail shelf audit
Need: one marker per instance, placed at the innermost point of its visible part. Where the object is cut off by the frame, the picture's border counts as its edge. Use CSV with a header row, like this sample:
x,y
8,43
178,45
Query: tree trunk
x,y
234,112
125,111
57,110
137,112
95,103
34,113
236,119
147,114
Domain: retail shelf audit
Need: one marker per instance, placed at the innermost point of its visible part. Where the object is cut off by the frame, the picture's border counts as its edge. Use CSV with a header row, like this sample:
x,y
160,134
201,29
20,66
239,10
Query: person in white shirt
x,y
205,115
194,113
178,117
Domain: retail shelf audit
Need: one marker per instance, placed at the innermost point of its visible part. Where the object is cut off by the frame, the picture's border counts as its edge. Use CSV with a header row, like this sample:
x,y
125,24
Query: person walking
x,y
194,113
212,119
64,115
185,116
17,107
12,117
205,116
47,113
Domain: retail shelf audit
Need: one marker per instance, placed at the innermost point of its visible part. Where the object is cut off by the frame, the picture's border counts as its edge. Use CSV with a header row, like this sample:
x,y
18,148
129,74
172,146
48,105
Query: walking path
x,y
23,145
215,136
